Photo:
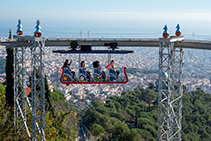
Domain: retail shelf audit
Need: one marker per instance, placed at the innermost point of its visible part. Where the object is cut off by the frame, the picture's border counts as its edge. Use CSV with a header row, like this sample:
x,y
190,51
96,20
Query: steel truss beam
x,y
34,106
170,90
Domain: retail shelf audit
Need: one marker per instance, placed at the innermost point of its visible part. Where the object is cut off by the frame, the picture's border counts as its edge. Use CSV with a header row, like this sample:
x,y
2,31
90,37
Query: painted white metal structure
x,y
170,90
170,62
20,109
35,104
38,88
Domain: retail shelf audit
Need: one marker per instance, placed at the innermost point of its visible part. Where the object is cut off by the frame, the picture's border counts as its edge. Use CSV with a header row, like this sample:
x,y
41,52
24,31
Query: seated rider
x,y
111,65
67,65
96,64
87,72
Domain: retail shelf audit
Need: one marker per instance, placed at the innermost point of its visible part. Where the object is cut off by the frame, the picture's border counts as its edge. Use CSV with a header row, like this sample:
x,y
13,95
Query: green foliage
x,y
6,117
151,86
145,134
97,130
9,77
118,116
148,95
138,109
57,96
60,102
197,116
121,131
135,70
62,126
48,98
64,122
134,135
97,103
118,113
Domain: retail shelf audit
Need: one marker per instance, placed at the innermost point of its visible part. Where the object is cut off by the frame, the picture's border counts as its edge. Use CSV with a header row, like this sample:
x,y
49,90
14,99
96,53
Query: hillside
x,y
60,122
66,120
133,116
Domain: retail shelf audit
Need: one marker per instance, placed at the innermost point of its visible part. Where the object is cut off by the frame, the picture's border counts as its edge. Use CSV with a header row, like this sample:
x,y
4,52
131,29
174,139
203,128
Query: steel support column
x,y
34,106
20,110
170,90
38,90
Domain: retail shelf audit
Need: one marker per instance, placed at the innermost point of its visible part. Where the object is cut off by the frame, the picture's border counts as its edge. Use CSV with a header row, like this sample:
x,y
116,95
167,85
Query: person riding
x,y
67,65
111,65
87,72
96,64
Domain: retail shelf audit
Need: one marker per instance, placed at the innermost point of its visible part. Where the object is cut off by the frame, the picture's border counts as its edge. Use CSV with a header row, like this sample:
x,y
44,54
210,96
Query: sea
x,y
100,29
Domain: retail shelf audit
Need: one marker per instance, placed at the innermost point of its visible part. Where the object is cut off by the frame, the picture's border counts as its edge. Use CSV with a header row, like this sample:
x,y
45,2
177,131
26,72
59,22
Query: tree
x,y
184,88
148,95
151,86
97,103
48,98
196,119
9,76
97,130
6,117
133,136
121,131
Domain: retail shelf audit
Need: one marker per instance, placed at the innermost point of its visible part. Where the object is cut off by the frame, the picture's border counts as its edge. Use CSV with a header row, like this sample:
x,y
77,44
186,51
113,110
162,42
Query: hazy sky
x,y
96,9
108,13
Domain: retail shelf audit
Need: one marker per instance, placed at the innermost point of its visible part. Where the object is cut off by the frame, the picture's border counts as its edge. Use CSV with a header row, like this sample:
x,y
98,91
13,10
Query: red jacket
x,y
110,66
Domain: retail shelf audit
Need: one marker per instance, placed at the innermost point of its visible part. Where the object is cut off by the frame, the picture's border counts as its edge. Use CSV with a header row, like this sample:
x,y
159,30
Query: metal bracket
x,y
74,45
112,45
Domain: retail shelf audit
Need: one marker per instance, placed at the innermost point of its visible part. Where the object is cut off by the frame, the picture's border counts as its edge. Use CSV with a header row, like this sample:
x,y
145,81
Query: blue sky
x,y
108,13
93,8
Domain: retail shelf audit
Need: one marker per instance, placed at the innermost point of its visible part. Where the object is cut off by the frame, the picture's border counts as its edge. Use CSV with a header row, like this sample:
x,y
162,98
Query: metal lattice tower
x,y
170,89
38,89
20,110
33,106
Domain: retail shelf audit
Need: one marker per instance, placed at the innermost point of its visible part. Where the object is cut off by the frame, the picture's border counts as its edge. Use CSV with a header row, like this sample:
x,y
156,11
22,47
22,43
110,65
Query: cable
x,y
124,33
118,34
100,33
60,32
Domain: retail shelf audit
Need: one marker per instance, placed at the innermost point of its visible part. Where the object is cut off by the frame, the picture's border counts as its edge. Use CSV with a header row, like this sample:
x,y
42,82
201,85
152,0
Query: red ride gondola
x,y
96,78
66,78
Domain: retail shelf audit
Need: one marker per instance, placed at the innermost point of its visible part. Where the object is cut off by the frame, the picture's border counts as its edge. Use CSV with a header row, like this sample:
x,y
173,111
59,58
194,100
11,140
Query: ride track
x,y
21,41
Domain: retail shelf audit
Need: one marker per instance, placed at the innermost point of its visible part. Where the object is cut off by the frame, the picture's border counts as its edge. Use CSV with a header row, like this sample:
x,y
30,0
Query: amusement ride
x,y
170,63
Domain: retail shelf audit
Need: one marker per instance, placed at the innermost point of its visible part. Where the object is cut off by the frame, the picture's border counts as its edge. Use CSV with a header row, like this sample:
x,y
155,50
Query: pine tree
x,y
48,98
6,117
9,76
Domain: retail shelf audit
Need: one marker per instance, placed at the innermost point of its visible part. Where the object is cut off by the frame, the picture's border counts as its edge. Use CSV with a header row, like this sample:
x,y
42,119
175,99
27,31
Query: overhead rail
x,y
99,42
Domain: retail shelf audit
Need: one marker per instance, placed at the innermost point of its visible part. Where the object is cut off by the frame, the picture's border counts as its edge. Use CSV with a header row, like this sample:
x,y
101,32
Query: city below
x,y
142,69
